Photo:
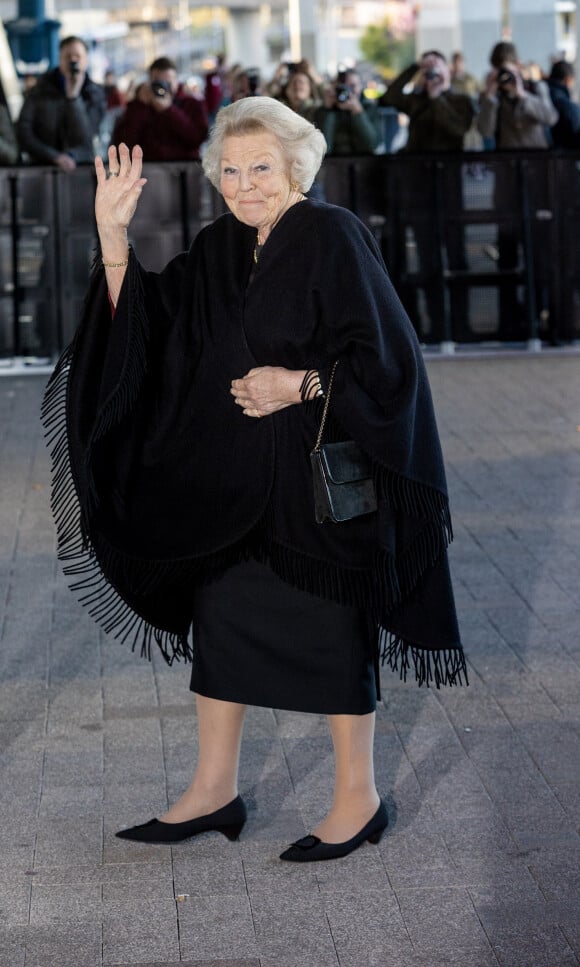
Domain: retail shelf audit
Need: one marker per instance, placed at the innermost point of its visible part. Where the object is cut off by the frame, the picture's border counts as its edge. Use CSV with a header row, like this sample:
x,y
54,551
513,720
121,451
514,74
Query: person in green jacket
x,y
348,125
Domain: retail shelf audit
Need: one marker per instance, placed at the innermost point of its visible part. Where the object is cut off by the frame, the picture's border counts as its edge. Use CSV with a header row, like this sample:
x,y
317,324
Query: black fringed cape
x,y
160,481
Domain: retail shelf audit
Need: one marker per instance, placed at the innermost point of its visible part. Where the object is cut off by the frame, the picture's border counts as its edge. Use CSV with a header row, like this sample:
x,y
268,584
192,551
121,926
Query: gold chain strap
x,y
325,410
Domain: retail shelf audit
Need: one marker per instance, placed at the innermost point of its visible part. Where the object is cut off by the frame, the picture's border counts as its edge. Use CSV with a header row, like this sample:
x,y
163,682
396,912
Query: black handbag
x,y
341,475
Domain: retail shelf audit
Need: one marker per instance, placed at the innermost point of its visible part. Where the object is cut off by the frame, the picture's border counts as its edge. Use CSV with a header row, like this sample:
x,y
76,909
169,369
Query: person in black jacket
x,y
187,425
566,130
439,119
61,117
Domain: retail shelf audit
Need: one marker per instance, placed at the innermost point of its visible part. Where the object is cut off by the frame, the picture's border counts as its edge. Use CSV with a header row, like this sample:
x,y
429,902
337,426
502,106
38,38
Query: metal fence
x,y
481,247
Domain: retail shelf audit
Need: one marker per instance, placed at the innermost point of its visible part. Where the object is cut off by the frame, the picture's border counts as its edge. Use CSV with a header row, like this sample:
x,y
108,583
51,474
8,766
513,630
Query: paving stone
x,y
367,927
196,875
267,875
12,951
66,945
14,899
289,929
219,927
136,932
53,903
538,947
441,917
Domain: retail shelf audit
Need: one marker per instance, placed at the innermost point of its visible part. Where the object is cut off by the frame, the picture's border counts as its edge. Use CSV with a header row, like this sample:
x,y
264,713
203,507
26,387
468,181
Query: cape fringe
x,y
94,591
422,503
414,499
443,667
325,580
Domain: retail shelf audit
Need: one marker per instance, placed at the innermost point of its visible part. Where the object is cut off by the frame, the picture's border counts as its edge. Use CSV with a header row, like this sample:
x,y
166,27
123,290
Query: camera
x,y
74,67
253,75
161,88
432,75
342,93
506,77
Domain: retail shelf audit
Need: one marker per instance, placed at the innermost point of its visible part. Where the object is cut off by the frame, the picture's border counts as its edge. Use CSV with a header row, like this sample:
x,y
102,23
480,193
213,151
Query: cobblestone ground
x,y
481,863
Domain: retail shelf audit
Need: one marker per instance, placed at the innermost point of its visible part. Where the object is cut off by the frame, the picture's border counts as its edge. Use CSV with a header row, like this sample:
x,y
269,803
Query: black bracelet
x,y
310,386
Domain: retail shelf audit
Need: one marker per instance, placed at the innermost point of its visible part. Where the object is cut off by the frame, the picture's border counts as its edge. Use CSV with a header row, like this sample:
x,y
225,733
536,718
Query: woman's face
x,y
298,87
255,180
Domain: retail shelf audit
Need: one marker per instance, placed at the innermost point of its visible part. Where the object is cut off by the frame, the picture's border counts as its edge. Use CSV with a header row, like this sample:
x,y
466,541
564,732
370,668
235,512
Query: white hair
x,y
302,144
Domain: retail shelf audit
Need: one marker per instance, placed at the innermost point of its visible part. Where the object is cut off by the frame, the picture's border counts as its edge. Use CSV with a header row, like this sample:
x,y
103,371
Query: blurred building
x,y
541,29
125,35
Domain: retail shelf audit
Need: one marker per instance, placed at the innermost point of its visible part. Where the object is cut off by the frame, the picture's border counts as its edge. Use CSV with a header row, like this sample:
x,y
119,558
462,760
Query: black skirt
x,y
259,641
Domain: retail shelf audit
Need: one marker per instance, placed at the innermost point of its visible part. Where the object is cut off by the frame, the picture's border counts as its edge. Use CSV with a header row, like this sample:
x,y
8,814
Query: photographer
x,y
514,112
62,114
347,124
438,118
438,121
246,83
299,92
167,125
566,132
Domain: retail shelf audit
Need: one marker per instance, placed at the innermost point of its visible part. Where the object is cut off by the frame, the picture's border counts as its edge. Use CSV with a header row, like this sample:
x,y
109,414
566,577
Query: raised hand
x,y
118,192
119,189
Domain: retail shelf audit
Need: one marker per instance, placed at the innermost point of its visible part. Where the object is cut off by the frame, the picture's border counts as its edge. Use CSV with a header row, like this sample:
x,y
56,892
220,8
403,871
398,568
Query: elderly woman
x,y
183,416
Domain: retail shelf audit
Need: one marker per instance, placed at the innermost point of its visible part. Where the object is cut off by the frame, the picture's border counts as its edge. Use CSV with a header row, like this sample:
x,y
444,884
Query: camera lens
x,y
160,88
506,77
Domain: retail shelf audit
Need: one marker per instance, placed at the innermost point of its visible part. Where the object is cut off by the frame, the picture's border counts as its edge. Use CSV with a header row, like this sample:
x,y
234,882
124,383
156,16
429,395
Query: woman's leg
x,y
356,799
215,782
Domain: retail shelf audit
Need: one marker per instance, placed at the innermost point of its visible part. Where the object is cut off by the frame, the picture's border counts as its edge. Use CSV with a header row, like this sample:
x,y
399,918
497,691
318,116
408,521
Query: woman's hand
x,y
118,191
115,202
266,389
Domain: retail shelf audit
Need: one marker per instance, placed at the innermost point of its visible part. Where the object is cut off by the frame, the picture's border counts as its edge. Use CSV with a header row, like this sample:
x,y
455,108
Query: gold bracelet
x,y
115,265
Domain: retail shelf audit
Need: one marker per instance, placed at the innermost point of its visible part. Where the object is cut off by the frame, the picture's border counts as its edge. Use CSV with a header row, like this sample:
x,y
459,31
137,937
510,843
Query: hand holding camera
x,y
434,76
157,94
342,97
74,78
510,82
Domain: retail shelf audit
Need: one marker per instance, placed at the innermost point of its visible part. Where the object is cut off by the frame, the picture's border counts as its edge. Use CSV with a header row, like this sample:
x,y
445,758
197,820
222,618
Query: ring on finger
x,y
113,174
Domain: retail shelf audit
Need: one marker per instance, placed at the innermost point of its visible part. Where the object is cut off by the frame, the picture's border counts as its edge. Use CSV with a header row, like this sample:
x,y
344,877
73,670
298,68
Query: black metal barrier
x,y
480,246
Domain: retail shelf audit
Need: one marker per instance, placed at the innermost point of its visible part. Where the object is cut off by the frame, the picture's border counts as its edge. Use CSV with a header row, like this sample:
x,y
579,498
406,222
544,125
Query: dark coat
x,y
50,124
435,124
171,135
346,133
566,131
171,482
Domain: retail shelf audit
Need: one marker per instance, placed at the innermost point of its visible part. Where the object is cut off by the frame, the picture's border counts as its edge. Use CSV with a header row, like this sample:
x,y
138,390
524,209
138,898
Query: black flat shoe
x,y
228,820
309,849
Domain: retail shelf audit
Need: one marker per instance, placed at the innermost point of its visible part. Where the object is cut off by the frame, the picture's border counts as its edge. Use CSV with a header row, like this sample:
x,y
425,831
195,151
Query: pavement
x,y
480,866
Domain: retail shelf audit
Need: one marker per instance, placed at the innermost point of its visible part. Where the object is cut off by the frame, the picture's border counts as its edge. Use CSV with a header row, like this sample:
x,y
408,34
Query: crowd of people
x,y
67,118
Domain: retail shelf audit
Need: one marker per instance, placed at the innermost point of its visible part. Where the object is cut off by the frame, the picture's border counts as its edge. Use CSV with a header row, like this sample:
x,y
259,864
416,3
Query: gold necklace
x,y
258,248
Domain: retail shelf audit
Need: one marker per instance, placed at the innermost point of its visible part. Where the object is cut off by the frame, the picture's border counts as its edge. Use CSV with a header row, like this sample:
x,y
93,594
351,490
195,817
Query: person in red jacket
x,y
167,125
